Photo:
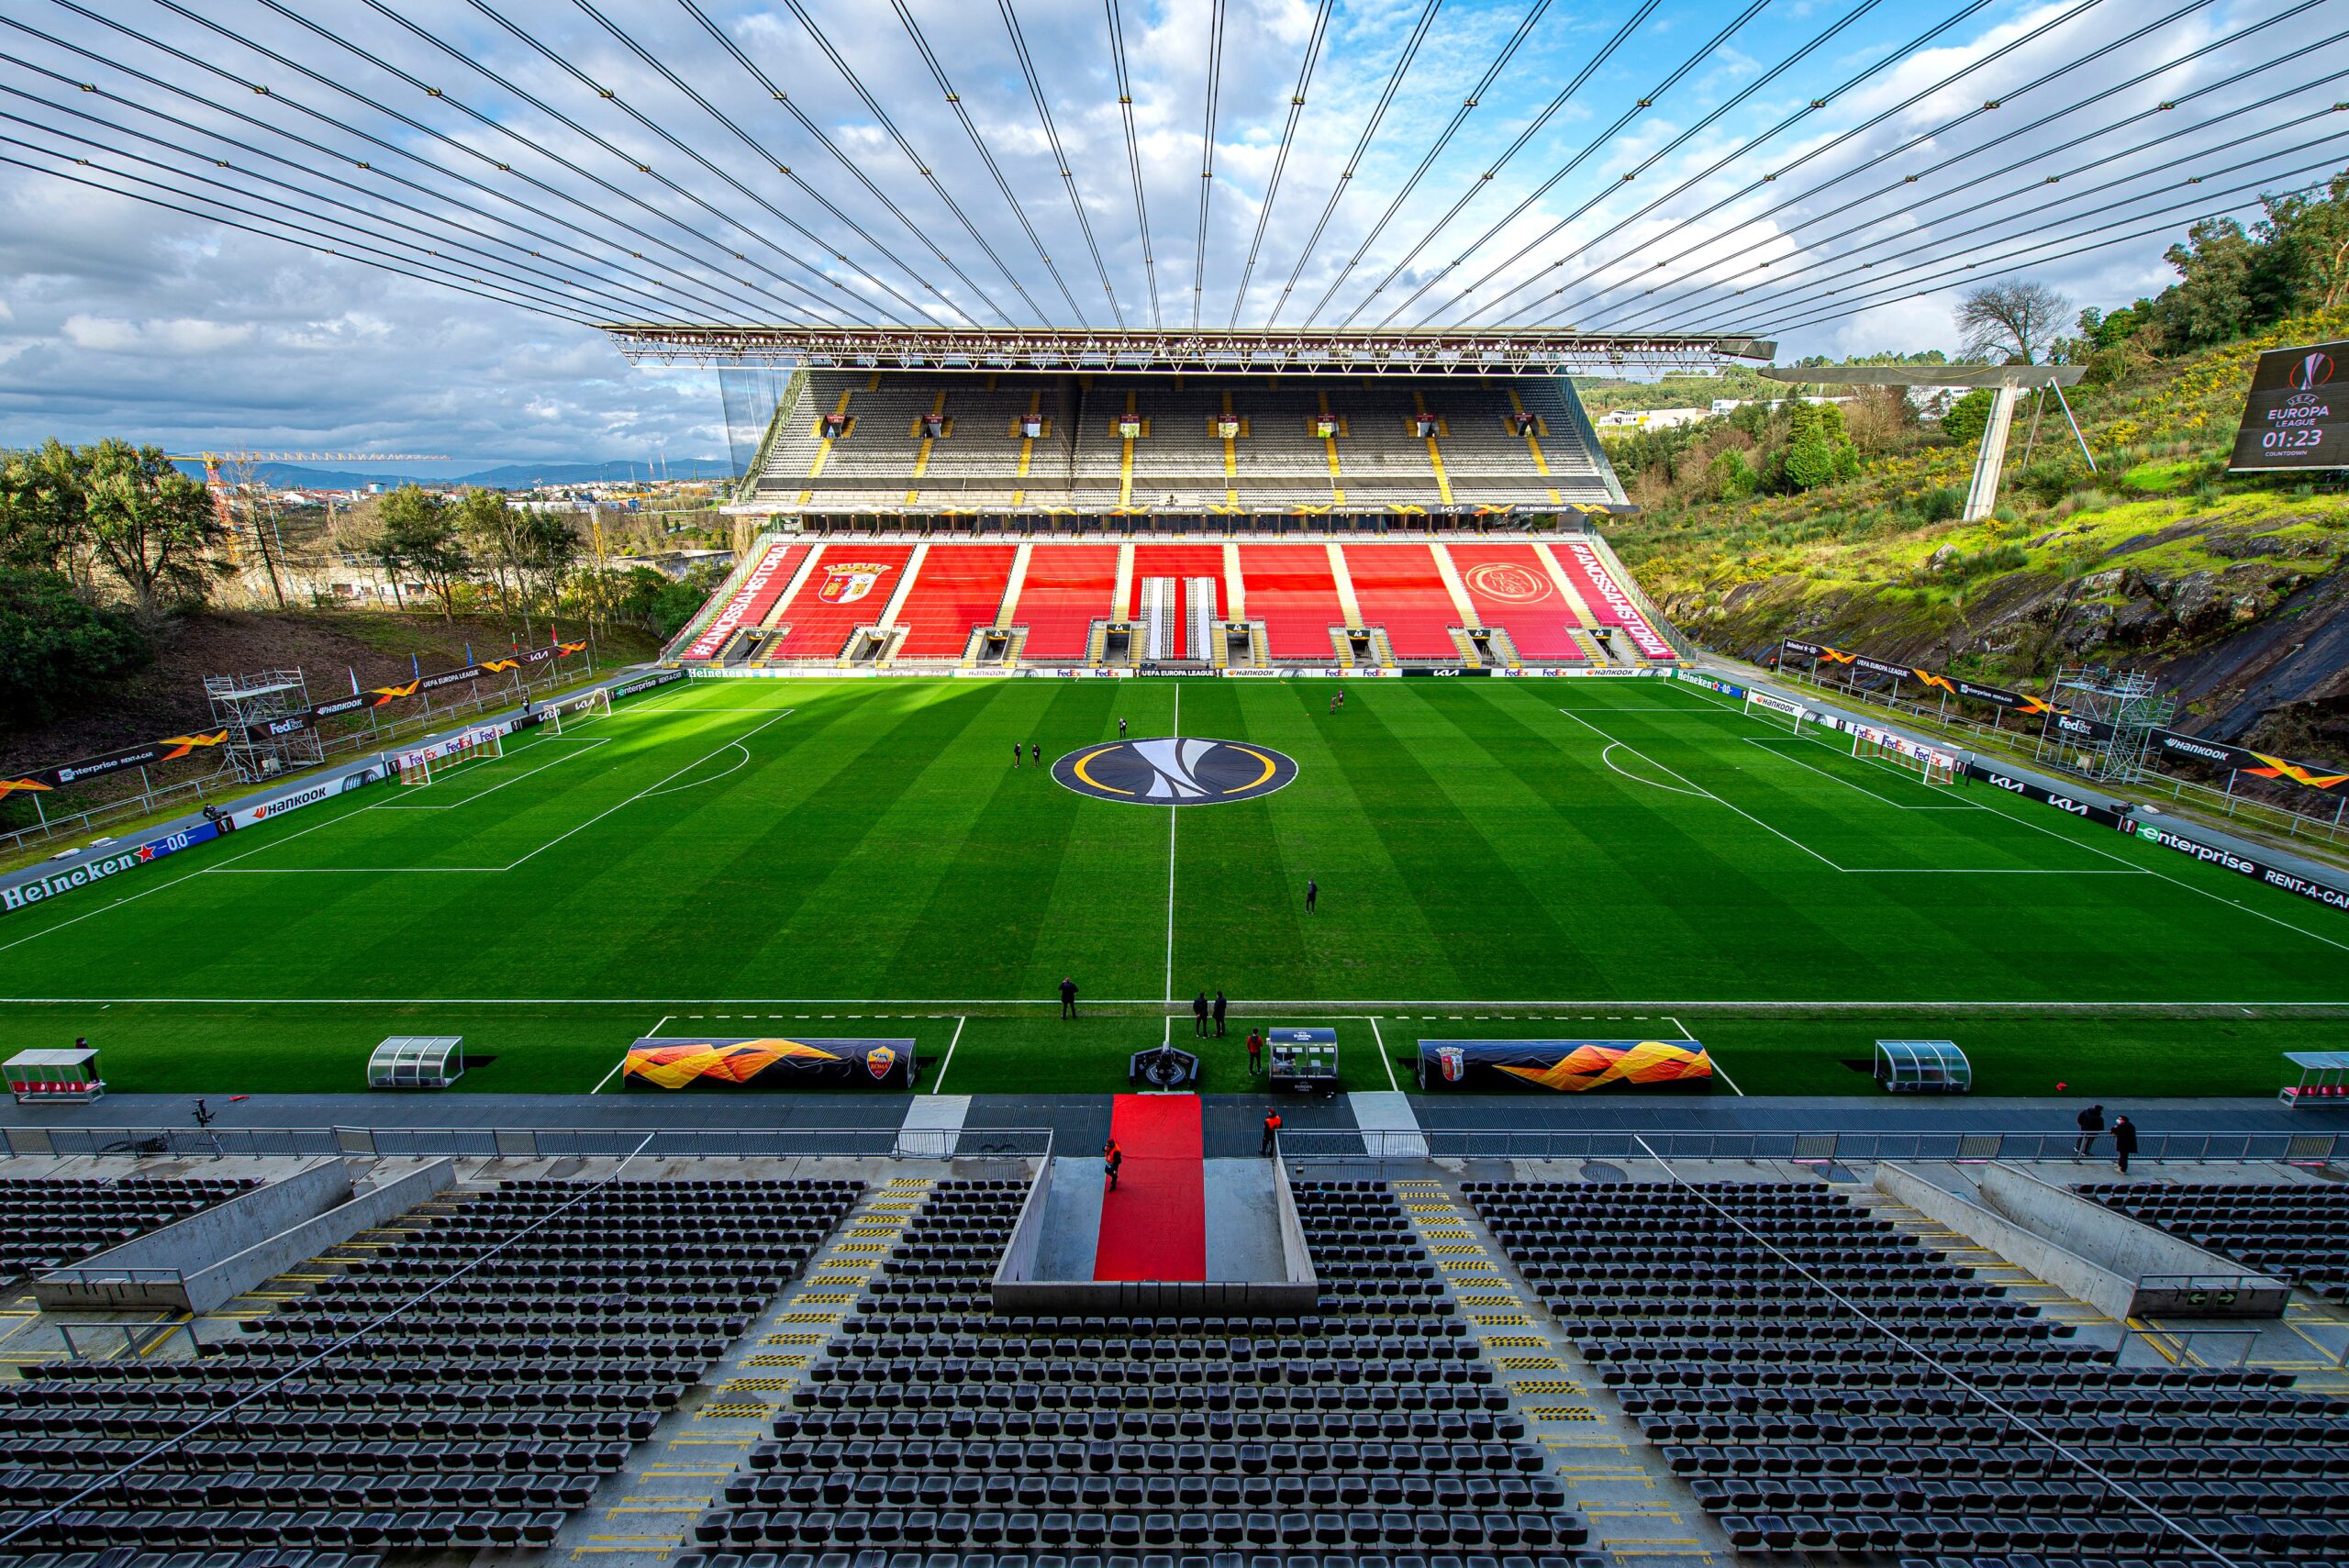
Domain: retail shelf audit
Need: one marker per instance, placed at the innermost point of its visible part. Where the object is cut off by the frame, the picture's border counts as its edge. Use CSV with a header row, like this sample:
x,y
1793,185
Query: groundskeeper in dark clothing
x,y
1068,998
2124,1141
1220,1005
1199,1014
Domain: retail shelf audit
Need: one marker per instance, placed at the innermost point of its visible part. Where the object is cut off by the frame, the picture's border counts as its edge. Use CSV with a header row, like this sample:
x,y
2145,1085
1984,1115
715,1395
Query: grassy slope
x,y
1854,561
1474,845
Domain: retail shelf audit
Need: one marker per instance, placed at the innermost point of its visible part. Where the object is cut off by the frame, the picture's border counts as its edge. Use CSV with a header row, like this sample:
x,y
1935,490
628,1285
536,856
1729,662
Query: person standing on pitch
x,y
1015,753
1312,894
1121,730
2091,1122
1272,1134
1199,1014
1255,1053
1068,997
1220,1005
1111,1158
2124,1141
1036,752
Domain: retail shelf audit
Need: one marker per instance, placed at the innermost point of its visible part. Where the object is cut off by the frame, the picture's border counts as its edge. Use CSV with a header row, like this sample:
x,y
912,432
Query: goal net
x,y
428,764
1930,767
597,704
1776,710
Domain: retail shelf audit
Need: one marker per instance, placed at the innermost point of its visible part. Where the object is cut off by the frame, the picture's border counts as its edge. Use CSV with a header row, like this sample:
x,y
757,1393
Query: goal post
x,y
1775,710
416,769
1931,765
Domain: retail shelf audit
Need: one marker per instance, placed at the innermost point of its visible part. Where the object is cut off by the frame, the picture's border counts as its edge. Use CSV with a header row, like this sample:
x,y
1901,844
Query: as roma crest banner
x,y
769,1061
1565,1066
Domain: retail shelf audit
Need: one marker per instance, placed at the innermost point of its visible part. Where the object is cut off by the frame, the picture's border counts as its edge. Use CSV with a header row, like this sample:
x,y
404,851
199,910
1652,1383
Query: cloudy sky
x,y
1831,172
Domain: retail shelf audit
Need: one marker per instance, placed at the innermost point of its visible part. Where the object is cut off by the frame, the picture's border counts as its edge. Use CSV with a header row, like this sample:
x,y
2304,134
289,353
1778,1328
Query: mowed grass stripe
x,y
1041,881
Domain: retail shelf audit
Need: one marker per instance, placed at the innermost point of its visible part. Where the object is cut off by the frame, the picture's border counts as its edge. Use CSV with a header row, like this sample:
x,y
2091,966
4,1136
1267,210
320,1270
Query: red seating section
x,y
1290,589
749,605
1182,563
1399,587
1511,589
959,587
1606,600
1068,588
849,587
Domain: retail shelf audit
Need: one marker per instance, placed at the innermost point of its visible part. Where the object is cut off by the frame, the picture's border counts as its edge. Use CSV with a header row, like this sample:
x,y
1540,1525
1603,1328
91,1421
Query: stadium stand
x,y
53,1222
1726,1319
932,1432
1066,588
1388,599
1511,586
495,1354
2299,1230
1180,462
957,589
850,585
1293,589
1401,589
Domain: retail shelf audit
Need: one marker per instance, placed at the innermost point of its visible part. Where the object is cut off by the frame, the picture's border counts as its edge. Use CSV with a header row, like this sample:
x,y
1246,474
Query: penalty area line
x,y
606,1078
938,1087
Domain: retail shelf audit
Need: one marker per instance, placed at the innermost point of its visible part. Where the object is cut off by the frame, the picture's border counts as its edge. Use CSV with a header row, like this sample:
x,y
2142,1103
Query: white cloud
x,y
182,338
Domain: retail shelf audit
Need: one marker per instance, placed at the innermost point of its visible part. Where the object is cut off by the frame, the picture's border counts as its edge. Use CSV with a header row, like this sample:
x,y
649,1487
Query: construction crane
x,y
220,490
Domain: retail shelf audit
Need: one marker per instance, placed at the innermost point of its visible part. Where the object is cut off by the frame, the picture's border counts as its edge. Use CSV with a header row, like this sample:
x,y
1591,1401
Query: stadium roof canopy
x,y
1428,351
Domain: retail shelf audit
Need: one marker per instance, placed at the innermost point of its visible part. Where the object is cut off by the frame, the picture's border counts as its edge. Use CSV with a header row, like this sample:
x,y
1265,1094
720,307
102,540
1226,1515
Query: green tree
x,y
1817,453
2309,236
154,525
420,537
1732,475
1966,419
44,507
57,651
2219,275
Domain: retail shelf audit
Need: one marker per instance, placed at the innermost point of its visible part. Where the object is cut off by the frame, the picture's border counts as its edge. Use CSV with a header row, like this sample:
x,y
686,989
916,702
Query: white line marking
x,y
951,1044
1382,1056
1174,815
1650,762
580,750
745,762
1606,755
1770,743
1265,1007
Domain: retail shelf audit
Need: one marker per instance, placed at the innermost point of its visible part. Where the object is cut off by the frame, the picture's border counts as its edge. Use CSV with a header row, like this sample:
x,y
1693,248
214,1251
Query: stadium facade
x,y
1255,502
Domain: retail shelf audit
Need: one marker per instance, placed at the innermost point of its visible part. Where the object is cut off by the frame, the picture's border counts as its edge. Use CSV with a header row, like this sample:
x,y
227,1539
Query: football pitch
x,y
1551,858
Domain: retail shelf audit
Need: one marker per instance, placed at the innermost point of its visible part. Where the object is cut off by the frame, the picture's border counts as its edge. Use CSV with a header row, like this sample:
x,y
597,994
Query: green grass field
x,y
1568,858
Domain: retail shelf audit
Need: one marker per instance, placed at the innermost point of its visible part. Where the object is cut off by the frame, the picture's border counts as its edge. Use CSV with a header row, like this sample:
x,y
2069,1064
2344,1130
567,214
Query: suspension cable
x,y
979,143
1133,151
1753,144
1483,182
1784,294
1590,150
921,165
769,159
1961,270
1313,42
1818,41
1694,289
560,287
489,121
1060,157
818,134
589,284
295,235
1362,145
1468,106
195,63
1207,160
1948,1373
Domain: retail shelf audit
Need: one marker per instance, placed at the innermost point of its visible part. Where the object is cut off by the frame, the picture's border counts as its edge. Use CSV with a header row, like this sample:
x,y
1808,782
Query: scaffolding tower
x,y
2109,727
256,710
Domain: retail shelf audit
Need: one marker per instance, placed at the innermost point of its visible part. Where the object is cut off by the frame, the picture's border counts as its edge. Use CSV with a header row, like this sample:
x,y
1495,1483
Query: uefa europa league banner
x,y
172,748
703,1061
2062,721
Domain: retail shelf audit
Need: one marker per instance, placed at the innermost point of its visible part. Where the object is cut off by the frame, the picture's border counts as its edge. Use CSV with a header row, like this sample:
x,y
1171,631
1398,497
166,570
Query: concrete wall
x,y
2033,1235
2161,1265
315,1211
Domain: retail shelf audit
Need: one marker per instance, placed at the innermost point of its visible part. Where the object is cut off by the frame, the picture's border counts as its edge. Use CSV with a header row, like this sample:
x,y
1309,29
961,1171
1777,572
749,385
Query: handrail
x,y
889,1142
1805,1147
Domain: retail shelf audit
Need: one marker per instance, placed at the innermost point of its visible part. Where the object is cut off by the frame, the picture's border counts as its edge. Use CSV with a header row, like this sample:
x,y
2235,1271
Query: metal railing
x,y
539,1142
1460,1143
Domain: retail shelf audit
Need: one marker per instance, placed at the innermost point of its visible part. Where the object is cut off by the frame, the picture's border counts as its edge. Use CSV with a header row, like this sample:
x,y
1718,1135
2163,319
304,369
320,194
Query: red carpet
x,y
1154,1225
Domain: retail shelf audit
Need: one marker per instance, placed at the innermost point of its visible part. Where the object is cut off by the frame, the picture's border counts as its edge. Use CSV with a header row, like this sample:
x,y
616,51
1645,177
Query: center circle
x,y
1175,770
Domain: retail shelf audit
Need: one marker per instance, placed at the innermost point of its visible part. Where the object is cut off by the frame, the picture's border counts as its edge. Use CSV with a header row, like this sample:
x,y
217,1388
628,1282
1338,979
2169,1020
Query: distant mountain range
x,y
507,476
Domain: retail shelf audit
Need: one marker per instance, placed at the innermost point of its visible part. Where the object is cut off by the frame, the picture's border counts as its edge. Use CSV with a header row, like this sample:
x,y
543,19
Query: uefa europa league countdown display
x,y
2289,419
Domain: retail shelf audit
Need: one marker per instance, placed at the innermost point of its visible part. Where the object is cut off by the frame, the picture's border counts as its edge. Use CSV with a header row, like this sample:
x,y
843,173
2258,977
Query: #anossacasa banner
x,y
172,748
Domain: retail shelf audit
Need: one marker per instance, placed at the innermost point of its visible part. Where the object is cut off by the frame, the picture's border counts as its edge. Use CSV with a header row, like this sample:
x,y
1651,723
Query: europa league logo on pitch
x,y
1175,770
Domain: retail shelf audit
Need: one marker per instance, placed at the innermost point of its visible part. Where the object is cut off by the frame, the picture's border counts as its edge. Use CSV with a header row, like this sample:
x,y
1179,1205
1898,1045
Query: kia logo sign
x,y
2312,370
2065,803
2000,781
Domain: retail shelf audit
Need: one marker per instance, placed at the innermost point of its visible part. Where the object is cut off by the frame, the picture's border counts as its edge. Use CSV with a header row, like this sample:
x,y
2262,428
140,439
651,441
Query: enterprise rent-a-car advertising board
x,y
2298,413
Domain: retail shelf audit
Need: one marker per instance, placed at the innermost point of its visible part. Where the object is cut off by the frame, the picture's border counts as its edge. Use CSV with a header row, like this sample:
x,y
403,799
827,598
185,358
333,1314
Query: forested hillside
x,y
1839,523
